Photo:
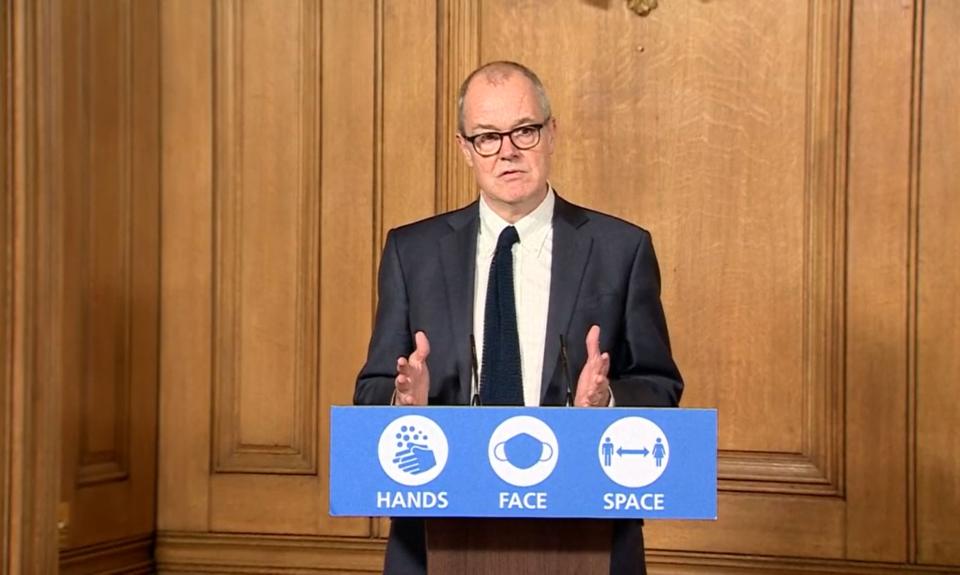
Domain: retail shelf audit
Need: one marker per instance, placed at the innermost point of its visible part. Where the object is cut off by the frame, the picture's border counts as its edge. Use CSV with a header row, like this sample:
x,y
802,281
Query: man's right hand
x,y
413,376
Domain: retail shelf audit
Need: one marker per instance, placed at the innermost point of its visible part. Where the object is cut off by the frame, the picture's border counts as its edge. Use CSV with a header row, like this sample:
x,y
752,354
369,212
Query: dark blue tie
x,y
500,379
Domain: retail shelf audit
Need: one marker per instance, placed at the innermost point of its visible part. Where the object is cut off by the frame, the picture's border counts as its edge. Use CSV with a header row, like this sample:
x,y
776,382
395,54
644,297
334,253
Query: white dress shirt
x,y
532,257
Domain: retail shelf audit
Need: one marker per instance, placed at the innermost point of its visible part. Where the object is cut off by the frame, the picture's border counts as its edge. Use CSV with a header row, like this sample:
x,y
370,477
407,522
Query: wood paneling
x,y
266,216
458,54
30,372
6,287
111,256
713,110
191,552
183,491
877,296
130,556
267,195
938,308
680,563
721,129
773,150
97,244
407,136
345,205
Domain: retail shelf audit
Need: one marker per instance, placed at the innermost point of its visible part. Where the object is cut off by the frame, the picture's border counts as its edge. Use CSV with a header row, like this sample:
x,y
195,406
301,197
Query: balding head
x,y
496,73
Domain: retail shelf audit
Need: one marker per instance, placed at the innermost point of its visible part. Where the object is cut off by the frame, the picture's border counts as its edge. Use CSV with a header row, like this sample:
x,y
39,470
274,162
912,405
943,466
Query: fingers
x,y
593,387
593,400
593,342
595,395
404,371
413,376
604,367
423,347
600,362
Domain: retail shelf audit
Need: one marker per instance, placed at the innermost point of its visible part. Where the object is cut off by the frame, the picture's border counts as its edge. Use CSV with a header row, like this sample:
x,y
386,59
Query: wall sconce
x,y
642,7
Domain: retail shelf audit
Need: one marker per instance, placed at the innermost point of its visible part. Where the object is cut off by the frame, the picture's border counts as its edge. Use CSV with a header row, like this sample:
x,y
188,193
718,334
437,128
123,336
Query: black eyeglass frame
x,y
510,134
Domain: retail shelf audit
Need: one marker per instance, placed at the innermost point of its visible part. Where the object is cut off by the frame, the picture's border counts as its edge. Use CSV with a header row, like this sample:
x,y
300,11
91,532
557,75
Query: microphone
x,y
474,379
566,370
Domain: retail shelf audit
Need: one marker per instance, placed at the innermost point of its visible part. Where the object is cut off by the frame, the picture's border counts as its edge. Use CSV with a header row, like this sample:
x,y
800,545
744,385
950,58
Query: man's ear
x,y
465,147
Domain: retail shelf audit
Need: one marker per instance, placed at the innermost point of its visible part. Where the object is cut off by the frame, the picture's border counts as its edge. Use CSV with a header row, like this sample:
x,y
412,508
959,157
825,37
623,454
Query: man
x,y
551,289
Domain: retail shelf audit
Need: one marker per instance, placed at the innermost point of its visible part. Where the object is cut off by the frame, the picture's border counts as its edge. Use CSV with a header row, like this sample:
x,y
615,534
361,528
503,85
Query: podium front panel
x,y
523,462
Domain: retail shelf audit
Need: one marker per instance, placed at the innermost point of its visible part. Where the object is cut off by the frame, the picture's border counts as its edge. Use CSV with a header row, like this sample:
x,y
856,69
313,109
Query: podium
x,y
523,490
521,546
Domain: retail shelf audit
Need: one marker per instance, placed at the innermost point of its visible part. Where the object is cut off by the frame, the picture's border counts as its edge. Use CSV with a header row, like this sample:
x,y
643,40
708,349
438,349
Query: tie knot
x,y
508,237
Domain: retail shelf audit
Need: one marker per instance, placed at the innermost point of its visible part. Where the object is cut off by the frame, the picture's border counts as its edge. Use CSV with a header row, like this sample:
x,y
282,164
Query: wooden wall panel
x,y
407,139
6,287
348,189
720,128
458,54
111,155
268,189
938,310
183,492
877,281
30,290
712,111
98,244
266,231
298,504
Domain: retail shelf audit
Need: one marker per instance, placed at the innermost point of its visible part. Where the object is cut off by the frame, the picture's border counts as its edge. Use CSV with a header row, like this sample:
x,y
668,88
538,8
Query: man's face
x,y
512,181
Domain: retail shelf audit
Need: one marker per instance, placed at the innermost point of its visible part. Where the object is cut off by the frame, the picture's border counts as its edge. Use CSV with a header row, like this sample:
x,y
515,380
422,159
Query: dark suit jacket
x,y
604,272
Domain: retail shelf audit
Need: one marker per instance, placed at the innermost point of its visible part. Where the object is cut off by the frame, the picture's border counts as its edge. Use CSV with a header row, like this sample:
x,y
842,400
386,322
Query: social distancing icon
x,y
633,452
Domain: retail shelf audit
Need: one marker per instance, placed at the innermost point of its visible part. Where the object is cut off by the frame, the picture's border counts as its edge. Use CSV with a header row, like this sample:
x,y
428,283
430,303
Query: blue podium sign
x,y
523,462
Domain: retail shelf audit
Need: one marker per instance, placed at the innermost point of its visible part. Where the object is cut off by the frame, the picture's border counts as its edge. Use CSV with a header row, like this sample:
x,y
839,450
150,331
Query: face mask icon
x,y
523,451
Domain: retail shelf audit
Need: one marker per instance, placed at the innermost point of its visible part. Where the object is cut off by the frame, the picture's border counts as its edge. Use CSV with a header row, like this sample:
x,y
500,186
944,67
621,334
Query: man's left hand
x,y
593,386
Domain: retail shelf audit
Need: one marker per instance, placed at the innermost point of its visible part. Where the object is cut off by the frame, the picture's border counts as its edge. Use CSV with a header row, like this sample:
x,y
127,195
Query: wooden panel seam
x,y
7,242
913,282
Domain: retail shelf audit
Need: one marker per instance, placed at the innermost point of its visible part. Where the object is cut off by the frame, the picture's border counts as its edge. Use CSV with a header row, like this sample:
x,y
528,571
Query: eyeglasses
x,y
522,137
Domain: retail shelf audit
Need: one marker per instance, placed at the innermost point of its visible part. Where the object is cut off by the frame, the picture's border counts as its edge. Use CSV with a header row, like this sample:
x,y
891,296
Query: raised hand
x,y
413,376
593,386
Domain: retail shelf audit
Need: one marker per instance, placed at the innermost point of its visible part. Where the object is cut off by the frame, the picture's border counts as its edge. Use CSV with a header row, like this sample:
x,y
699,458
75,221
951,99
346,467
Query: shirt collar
x,y
532,228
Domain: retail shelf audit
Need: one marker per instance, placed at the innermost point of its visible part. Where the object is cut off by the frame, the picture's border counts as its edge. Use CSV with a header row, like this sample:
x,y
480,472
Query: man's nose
x,y
507,149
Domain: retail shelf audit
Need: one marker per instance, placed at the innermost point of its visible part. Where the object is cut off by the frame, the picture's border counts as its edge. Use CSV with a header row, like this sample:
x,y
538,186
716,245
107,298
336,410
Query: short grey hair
x,y
496,72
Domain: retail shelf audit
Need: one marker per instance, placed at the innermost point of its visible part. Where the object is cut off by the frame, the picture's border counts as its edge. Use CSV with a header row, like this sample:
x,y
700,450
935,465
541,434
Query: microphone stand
x,y
565,366
475,379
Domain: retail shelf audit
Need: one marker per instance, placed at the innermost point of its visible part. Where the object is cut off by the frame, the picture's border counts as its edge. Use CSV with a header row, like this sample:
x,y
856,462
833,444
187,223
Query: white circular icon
x,y
413,450
523,451
633,451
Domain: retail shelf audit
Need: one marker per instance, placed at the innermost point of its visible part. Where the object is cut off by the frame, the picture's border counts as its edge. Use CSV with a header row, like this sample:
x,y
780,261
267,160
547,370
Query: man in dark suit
x,y
577,276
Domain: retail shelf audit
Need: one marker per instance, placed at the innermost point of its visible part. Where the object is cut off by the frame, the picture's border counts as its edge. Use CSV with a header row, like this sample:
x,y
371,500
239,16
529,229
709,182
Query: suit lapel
x,y
571,250
458,256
